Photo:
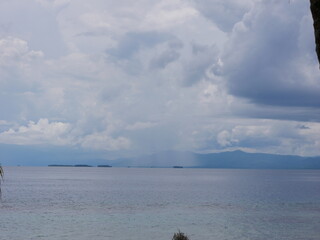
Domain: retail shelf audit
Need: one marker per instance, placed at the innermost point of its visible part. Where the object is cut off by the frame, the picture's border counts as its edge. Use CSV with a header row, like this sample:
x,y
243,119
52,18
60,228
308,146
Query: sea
x,y
91,203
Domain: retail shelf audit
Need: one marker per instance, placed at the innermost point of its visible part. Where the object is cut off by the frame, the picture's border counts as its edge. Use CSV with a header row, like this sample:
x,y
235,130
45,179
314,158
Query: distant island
x,y
62,165
77,165
233,159
59,165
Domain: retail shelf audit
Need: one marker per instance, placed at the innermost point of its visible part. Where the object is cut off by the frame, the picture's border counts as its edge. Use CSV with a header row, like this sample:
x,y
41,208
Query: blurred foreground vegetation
x,y
180,236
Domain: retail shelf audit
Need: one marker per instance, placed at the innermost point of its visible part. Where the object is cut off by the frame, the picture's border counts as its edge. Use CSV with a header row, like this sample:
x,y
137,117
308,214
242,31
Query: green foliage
x,y
180,236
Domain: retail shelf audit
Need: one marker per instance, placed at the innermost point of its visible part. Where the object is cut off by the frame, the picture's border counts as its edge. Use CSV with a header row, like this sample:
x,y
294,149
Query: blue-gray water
x,y
129,204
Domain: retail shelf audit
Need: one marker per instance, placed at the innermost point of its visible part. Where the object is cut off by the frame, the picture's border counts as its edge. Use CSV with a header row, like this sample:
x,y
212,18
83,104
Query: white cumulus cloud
x,y
41,132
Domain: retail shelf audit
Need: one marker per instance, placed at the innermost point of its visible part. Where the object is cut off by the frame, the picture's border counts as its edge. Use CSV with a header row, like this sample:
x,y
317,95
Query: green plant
x,y
180,236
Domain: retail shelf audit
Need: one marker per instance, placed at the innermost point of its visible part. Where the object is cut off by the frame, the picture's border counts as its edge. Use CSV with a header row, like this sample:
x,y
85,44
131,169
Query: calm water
x,y
119,203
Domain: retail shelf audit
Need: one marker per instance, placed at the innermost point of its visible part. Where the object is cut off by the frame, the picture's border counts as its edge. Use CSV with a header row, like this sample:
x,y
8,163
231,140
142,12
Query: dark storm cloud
x,y
269,57
280,112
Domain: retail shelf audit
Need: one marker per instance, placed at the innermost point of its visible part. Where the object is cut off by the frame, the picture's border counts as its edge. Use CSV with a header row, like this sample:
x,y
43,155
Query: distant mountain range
x,y
233,159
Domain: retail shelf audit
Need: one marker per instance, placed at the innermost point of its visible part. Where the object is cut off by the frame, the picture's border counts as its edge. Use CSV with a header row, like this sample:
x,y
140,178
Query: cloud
x,y
128,78
169,14
29,20
224,13
56,133
101,141
166,57
56,4
270,60
134,41
270,136
203,57
141,125
170,53
41,132
15,51
19,75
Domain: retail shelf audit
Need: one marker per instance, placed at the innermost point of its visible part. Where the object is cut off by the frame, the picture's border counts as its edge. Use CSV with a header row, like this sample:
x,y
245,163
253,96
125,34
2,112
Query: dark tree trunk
x,y
1,178
315,10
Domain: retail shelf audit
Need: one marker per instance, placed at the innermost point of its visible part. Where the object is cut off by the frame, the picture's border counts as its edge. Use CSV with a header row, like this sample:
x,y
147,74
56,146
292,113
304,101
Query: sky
x,y
113,79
